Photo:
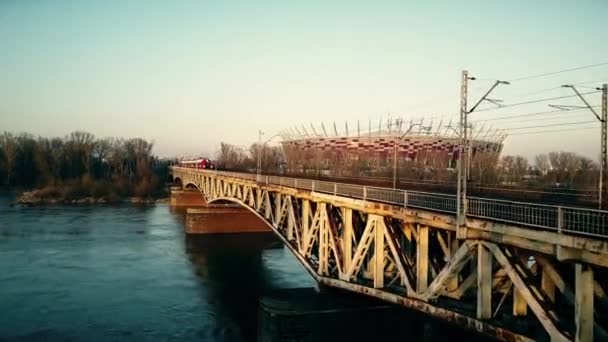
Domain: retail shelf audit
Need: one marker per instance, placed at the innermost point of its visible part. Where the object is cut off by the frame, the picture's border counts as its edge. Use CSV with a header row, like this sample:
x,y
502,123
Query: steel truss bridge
x,y
515,271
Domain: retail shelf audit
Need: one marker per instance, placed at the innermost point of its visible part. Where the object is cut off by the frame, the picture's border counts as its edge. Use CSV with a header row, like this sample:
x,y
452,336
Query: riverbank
x,y
38,197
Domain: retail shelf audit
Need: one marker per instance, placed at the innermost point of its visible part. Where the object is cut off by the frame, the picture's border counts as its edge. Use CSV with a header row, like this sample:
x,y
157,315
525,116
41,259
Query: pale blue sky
x,y
189,74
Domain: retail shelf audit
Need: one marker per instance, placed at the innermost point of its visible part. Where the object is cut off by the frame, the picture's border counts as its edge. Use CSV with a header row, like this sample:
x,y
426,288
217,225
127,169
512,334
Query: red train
x,y
203,163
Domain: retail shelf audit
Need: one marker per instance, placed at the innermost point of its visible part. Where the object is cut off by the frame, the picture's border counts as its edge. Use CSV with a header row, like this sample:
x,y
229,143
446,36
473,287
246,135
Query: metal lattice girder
x,y
391,252
452,269
538,302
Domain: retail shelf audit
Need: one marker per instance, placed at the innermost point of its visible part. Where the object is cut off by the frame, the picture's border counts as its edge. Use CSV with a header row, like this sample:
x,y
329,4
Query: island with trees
x,y
81,169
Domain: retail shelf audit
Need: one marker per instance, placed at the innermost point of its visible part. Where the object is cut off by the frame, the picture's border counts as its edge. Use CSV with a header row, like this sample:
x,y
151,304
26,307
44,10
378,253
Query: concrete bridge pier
x,y
206,218
222,219
181,197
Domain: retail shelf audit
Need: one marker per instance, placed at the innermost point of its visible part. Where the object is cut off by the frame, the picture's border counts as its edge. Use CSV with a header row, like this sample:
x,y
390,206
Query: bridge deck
x,y
579,221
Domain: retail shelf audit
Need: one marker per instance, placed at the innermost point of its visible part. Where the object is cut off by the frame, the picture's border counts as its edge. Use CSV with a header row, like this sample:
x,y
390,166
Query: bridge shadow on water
x,y
231,271
237,276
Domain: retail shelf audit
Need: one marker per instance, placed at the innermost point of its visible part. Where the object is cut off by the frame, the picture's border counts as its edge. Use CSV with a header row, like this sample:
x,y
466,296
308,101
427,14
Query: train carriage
x,y
201,163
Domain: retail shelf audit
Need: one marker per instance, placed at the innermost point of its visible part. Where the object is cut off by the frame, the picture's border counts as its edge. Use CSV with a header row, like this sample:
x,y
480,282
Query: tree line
x,y
231,157
564,169
554,169
80,164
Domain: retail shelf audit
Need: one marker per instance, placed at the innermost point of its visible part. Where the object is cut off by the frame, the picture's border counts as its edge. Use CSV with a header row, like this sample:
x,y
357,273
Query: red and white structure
x,y
200,163
435,145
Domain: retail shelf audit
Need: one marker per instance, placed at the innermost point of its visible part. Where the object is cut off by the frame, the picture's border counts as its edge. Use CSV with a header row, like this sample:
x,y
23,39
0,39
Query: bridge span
x,y
515,271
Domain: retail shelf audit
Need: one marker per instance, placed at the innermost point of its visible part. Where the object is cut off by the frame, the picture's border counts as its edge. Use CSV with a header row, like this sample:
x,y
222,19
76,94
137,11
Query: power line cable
x,y
553,118
553,131
535,101
559,112
557,72
602,80
534,92
588,87
550,125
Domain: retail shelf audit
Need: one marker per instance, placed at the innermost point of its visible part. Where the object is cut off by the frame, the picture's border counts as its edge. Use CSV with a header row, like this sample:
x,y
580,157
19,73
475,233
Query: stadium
x,y
419,148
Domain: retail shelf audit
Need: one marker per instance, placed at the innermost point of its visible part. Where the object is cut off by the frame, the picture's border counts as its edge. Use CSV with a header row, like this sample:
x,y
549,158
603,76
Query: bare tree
x,y
138,152
9,148
80,146
572,164
520,167
117,157
101,153
542,164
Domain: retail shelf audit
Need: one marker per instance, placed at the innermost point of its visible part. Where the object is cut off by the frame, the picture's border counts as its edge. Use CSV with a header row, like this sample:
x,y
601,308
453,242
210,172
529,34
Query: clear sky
x,y
189,74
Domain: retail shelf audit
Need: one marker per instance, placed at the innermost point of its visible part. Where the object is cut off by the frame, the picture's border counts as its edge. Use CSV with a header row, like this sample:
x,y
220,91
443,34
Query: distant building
x,y
371,151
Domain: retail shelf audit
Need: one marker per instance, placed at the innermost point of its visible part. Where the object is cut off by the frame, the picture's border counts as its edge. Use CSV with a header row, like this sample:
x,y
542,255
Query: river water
x,y
111,273
107,273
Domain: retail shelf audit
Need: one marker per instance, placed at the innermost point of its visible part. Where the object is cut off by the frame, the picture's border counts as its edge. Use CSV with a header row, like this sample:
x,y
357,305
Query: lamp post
x,y
395,153
259,167
260,146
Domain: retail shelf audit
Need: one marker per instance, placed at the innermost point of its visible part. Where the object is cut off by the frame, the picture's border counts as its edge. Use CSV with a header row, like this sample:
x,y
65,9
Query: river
x,y
108,273
125,272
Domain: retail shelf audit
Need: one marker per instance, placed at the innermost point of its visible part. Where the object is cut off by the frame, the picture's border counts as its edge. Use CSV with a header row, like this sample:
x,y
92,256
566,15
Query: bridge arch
x,y
192,184
244,205
212,192
189,184
274,229
177,180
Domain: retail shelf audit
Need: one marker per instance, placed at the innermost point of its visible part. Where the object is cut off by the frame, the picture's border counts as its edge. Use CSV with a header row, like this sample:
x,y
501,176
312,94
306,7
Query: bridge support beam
x,y
520,307
422,259
547,285
347,240
379,255
484,282
583,305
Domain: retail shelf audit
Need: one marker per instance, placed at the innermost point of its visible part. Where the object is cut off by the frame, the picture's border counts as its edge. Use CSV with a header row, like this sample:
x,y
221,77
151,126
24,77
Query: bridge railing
x,y
558,218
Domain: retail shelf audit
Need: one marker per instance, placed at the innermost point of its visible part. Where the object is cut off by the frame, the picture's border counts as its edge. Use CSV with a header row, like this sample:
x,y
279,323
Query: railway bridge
x,y
515,271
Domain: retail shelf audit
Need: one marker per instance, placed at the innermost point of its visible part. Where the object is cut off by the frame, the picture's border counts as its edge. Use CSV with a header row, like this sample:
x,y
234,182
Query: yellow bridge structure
x,y
515,271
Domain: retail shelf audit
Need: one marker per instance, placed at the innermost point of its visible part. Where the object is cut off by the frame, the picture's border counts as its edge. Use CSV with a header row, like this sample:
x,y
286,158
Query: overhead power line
x,y
550,125
536,101
589,87
534,92
599,81
545,90
558,72
552,119
553,131
556,112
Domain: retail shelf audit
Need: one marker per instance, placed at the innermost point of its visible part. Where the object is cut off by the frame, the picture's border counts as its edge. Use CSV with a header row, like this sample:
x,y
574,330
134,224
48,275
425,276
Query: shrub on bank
x,y
89,190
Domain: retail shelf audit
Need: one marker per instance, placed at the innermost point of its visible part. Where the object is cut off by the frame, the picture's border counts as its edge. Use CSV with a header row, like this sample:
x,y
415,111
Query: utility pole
x,y
604,163
463,170
395,165
461,187
603,119
259,168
